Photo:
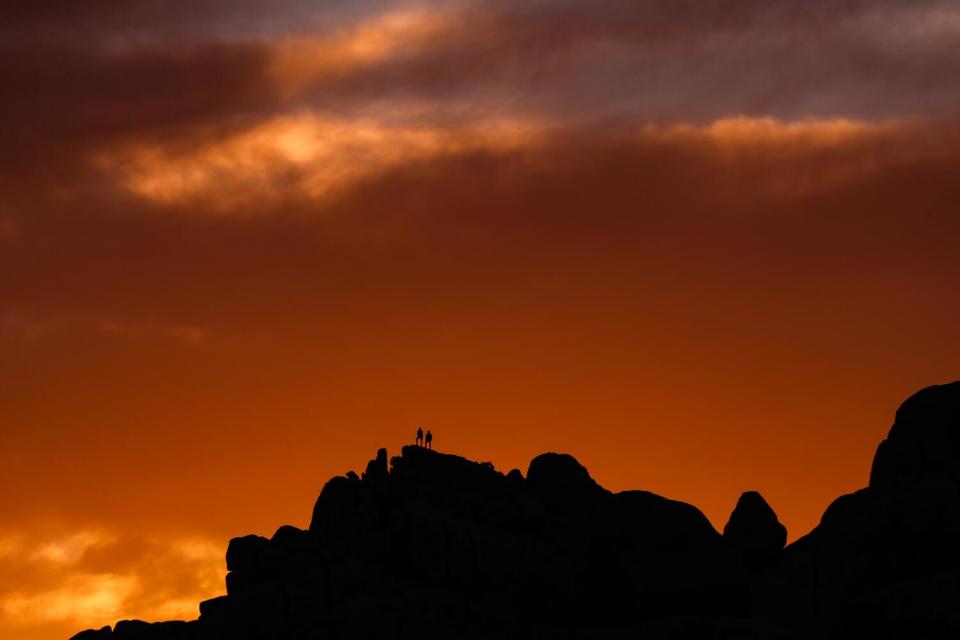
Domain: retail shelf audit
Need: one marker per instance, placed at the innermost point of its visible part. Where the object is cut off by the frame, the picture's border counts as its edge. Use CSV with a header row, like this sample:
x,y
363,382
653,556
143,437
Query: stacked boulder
x,y
438,546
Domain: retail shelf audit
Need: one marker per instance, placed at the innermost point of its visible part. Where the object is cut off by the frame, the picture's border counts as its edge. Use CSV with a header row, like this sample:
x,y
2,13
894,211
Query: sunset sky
x,y
705,246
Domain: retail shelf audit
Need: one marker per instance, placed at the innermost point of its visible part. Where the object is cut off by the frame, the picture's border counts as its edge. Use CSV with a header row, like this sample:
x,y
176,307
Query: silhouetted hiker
x,y
429,440
420,436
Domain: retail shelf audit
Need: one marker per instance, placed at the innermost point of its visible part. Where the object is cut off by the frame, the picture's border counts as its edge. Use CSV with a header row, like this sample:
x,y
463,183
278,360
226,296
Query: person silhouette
x,y
429,440
420,436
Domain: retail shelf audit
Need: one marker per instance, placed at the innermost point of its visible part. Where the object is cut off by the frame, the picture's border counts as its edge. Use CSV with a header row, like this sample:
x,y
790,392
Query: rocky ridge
x,y
432,545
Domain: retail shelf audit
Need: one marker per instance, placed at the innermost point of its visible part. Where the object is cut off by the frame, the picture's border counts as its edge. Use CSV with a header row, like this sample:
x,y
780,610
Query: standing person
x,y
419,436
429,440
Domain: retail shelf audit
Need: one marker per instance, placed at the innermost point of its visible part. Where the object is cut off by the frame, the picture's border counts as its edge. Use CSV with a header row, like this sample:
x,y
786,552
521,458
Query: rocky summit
x,y
754,530
432,545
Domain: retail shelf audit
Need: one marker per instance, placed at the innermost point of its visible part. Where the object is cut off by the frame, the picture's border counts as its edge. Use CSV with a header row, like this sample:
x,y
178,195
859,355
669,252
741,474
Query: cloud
x,y
308,159
667,61
632,61
314,103
63,103
300,156
139,21
91,578
302,61
306,220
80,599
306,193
70,549
31,327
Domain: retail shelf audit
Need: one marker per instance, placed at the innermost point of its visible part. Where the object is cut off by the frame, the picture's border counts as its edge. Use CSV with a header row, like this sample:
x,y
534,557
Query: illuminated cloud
x,y
572,61
300,156
306,157
686,61
772,132
80,599
300,62
92,578
71,549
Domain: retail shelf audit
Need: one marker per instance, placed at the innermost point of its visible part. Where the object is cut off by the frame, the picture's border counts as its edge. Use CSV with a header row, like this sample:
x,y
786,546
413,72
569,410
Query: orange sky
x,y
704,247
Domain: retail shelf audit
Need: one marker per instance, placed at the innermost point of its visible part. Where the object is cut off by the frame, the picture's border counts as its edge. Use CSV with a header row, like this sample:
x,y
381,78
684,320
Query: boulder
x,y
884,560
246,553
290,540
863,568
377,468
559,472
754,530
215,606
346,507
924,439
443,472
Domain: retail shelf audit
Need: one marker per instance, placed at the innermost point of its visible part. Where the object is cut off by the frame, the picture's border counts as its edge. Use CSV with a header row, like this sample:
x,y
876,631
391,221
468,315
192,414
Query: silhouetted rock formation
x,y
753,529
436,546
924,440
884,562
559,472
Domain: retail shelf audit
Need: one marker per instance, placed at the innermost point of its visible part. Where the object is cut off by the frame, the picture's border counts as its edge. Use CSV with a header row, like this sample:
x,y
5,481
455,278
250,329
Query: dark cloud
x,y
77,78
125,22
624,61
70,100
681,61
64,105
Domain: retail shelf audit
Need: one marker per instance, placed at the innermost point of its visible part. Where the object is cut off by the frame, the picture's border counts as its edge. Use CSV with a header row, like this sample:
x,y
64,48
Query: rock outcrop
x,y
560,472
432,545
924,440
884,562
440,547
755,531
